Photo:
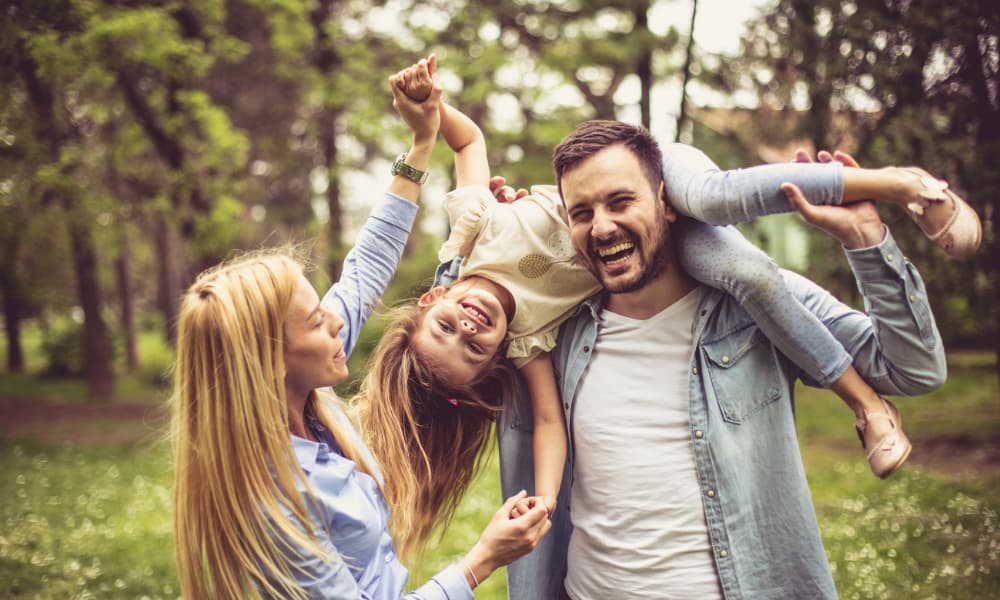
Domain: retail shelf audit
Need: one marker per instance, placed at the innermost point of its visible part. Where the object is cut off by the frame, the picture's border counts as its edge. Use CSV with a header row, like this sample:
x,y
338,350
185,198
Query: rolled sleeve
x,y
896,346
370,265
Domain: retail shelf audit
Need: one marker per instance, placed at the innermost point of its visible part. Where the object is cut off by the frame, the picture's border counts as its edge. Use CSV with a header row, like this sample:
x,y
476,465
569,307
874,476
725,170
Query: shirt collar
x,y
308,453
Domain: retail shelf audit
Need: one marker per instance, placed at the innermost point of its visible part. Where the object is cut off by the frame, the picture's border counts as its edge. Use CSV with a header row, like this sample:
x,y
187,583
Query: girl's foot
x,y
881,434
945,217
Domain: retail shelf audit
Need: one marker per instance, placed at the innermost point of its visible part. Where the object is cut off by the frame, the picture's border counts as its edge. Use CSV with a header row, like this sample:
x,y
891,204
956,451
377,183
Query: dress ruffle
x,y
521,350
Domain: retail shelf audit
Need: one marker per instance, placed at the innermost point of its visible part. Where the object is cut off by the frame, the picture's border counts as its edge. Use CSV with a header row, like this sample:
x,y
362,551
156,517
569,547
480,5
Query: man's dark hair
x,y
590,137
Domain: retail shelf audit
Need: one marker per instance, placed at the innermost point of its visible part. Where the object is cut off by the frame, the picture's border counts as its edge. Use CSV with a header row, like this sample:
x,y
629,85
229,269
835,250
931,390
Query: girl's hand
x,y
423,118
417,80
505,193
506,539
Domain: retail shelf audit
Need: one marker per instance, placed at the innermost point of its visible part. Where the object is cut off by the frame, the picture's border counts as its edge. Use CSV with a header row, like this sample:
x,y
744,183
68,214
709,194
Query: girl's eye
x,y
445,326
477,349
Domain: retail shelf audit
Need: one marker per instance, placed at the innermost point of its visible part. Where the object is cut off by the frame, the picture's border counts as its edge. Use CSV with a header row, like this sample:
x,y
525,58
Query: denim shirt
x,y
350,516
761,523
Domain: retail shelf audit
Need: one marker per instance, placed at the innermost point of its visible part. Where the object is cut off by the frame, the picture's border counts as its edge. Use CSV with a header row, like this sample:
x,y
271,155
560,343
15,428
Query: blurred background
x,y
142,141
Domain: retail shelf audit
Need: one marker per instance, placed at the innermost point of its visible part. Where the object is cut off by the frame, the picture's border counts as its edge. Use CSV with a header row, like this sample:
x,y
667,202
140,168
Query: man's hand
x,y
505,193
856,224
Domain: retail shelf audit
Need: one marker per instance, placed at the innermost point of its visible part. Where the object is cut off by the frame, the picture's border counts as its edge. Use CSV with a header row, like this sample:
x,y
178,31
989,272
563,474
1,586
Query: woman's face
x,y
314,354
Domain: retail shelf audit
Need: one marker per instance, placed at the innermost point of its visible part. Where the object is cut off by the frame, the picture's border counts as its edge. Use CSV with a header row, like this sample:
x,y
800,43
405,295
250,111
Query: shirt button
x,y
890,257
699,434
913,298
725,360
566,406
711,493
586,348
388,558
695,370
723,554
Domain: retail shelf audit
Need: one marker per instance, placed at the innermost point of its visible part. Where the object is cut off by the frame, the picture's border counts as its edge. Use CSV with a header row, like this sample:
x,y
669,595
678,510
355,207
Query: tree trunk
x,y
126,298
169,276
12,290
644,66
96,343
327,120
688,57
12,321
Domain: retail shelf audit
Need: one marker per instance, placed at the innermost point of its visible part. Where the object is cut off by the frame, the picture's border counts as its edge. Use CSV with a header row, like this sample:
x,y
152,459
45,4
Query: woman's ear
x,y
431,296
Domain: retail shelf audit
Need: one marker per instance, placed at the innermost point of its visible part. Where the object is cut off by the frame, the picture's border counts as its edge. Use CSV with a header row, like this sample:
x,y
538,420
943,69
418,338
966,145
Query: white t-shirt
x,y
636,506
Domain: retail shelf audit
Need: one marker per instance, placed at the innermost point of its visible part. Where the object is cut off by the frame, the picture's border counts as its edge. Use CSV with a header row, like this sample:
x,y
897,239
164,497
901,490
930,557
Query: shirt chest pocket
x,y
742,372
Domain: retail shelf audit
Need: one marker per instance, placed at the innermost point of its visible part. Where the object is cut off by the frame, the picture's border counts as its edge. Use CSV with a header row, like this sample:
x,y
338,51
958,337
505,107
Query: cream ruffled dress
x,y
525,247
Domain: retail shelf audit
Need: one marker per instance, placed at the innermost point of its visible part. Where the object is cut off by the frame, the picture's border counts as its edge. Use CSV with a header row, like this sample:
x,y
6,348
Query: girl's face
x,y
462,328
314,354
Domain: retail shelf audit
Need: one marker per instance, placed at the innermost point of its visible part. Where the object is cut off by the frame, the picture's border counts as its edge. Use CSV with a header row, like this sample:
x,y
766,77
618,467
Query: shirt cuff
x,y
452,580
881,261
395,211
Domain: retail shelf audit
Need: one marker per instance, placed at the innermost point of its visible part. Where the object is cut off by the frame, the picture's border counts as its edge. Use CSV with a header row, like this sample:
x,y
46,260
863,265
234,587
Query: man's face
x,y
618,222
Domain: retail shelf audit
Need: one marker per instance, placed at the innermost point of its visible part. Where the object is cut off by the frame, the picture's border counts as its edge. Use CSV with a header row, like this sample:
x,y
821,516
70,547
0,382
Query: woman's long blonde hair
x,y
239,519
429,438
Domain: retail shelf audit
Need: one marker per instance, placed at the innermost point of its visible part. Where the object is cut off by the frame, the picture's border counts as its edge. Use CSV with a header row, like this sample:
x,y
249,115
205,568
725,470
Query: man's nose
x,y
603,226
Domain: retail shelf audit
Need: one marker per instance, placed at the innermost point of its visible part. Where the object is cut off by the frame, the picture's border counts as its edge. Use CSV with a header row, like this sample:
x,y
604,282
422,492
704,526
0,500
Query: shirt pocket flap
x,y
728,350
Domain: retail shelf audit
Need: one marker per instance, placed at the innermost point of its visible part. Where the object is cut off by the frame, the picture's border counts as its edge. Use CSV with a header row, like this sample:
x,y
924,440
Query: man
x,y
684,477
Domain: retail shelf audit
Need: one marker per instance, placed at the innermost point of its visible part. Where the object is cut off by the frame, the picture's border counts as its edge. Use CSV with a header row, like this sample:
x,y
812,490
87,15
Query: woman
x,y
275,495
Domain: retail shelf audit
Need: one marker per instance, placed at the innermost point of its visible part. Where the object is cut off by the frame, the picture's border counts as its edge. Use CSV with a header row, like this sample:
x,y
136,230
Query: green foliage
x,y
62,344
86,522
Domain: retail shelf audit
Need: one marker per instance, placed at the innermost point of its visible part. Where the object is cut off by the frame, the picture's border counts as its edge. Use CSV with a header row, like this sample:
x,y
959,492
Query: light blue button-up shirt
x,y
761,522
349,515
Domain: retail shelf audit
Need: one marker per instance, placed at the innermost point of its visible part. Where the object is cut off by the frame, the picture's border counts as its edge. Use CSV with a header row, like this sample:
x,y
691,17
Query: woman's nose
x,y
336,324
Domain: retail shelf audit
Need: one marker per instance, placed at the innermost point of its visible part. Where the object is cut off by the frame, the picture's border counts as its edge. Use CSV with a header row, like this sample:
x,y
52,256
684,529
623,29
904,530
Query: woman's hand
x,y
506,539
423,117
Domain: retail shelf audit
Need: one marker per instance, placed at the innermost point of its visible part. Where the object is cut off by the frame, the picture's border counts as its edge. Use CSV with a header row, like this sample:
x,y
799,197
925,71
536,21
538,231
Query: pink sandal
x,y
885,455
945,218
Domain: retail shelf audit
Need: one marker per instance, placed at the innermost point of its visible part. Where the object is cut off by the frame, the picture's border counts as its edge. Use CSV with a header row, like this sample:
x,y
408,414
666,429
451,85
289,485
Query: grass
x,y
93,520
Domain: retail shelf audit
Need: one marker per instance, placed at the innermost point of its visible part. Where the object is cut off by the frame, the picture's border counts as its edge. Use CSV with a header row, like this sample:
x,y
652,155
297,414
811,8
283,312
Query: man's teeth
x,y
622,247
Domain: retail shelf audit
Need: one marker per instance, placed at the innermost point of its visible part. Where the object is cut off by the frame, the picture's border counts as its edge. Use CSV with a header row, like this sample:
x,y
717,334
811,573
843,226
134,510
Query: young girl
x,y
518,280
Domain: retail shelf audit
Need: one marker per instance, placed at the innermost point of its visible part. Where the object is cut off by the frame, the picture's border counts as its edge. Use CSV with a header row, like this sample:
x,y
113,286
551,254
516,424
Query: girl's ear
x,y
431,296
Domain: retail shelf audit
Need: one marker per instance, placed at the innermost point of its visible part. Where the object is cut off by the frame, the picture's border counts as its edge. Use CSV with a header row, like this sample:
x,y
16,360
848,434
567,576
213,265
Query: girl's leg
x,y
722,258
698,188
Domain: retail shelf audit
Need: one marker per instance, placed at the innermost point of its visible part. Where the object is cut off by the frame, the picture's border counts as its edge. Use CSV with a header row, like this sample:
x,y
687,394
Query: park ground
x,y
86,510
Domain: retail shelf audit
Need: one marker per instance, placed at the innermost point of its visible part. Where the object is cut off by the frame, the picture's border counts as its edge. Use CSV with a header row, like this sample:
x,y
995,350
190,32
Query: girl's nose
x,y
468,326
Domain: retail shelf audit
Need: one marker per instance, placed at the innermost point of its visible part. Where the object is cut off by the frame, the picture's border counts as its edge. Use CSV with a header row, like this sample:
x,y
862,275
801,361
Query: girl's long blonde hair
x,y
429,438
239,519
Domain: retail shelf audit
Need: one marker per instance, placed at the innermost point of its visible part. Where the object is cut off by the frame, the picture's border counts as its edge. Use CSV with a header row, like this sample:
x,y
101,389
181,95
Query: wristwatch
x,y
401,168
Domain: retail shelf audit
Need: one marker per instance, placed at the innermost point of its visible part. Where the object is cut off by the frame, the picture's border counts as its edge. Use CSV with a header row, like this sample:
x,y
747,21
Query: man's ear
x,y
668,208
431,296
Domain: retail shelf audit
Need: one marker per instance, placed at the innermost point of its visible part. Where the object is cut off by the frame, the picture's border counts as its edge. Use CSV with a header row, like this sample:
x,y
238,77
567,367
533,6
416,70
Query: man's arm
x,y
896,347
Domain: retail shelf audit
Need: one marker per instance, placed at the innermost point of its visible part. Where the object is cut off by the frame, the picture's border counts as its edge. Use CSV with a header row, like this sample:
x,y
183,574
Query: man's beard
x,y
659,260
